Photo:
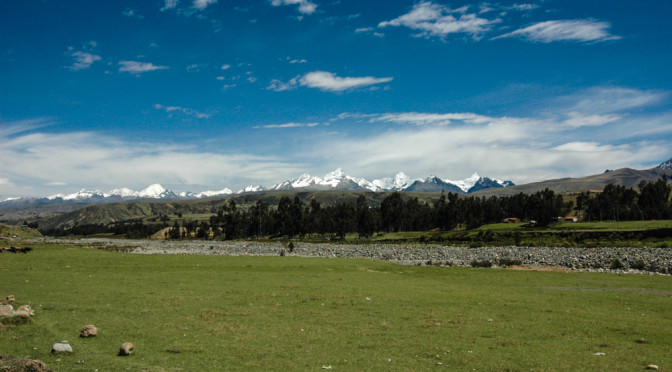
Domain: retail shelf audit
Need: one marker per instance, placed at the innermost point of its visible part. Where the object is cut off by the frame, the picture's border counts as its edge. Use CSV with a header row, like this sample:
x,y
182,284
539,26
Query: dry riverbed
x,y
607,259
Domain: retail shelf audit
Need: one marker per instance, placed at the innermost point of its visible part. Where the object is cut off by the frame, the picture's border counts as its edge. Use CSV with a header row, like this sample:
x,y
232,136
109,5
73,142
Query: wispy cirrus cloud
x,y
169,4
132,13
287,125
184,110
329,82
202,4
136,67
326,81
305,6
564,30
436,20
83,60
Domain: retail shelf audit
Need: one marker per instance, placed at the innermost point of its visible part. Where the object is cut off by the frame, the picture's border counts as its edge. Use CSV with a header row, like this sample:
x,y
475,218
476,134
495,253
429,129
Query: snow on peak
x,y
124,192
304,180
402,181
206,194
152,191
250,188
466,184
334,178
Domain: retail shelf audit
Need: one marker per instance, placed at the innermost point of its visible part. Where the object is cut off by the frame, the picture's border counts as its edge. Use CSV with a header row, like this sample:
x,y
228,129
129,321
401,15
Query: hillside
x,y
624,176
150,211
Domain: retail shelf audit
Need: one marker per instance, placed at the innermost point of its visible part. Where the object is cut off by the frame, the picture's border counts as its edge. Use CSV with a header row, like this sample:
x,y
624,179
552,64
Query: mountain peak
x,y
666,165
152,191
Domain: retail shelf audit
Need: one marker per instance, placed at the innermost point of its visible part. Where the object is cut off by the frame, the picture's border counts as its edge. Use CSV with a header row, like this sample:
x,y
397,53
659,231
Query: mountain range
x,y
336,180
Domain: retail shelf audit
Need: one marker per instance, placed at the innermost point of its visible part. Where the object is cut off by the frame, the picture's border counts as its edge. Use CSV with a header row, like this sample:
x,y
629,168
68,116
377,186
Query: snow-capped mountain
x,y
400,182
336,180
666,165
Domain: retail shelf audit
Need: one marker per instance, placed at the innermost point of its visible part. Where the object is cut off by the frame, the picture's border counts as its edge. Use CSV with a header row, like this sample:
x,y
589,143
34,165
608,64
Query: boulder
x,y
6,310
26,309
126,349
61,348
89,331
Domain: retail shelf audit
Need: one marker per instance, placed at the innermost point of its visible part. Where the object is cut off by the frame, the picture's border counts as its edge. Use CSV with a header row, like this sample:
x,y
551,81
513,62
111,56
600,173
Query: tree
x,y
365,222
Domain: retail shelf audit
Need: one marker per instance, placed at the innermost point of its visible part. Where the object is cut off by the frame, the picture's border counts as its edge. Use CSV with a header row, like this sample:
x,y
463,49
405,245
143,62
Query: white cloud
x,y
202,4
131,13
225,67
139,67
280,86
288,125
432,118
439,21
584,147
305,6
604,100
83,60
184,110
169,4
577,119
564,30
95,161
328,81
364,29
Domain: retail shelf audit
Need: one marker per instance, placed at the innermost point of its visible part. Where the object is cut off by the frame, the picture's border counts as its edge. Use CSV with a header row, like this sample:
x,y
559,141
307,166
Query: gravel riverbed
x,y
606,259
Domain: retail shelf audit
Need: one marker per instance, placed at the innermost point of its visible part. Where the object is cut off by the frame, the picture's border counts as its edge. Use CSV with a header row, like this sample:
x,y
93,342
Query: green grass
x,y
292,313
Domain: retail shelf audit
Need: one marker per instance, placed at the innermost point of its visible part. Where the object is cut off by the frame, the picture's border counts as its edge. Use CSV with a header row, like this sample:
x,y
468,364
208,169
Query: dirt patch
x,y
14,364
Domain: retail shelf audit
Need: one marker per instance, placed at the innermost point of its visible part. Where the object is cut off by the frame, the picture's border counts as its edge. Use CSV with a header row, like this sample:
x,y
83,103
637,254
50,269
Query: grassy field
x,y
291,313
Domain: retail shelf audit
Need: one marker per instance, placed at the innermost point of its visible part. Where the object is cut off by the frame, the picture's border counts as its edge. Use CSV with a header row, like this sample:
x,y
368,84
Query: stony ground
x,y
608,259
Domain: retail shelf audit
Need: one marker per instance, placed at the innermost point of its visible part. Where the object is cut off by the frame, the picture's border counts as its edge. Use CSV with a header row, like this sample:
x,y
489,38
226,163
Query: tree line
x,y
296,218
621,203
293,217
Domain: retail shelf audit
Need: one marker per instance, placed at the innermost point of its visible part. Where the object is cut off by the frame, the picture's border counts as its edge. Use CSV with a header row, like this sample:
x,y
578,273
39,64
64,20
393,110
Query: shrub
x,y
616,264
638,265
509,262
482,263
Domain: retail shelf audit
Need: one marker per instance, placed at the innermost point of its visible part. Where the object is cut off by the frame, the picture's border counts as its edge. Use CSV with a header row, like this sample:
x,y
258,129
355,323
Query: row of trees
x,y
293,217
652,202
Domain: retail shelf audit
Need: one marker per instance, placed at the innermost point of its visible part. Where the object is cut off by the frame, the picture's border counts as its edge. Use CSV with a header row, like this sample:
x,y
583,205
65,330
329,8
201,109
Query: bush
x,y
638,265
616,264
482,263
509,262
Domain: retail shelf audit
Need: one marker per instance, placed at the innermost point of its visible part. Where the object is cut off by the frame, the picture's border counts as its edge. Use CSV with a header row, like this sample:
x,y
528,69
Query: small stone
x,y
10,298
126,349
89,331
61,348
640,341
652,366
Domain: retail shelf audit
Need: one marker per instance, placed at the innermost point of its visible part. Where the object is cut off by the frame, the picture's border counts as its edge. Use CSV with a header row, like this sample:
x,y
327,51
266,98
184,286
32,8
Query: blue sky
x,y
206,94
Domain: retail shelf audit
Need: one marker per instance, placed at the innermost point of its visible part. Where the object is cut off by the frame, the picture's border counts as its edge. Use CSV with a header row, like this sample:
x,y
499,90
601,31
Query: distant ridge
x,y
336,180
624,176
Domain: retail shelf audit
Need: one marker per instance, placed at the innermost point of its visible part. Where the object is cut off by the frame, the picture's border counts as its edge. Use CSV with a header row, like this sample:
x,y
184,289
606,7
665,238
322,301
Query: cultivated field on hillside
x,y
297,313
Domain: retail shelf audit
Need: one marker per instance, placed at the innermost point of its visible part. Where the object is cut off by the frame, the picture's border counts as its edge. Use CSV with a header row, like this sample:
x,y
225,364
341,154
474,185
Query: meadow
x,y
192,313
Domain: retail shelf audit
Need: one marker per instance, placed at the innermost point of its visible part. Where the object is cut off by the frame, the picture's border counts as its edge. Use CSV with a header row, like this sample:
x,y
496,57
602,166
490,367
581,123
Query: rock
x,y
22,313
61,348
26,309
652,366
126,349
640,341
6,310
10,298
89,331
